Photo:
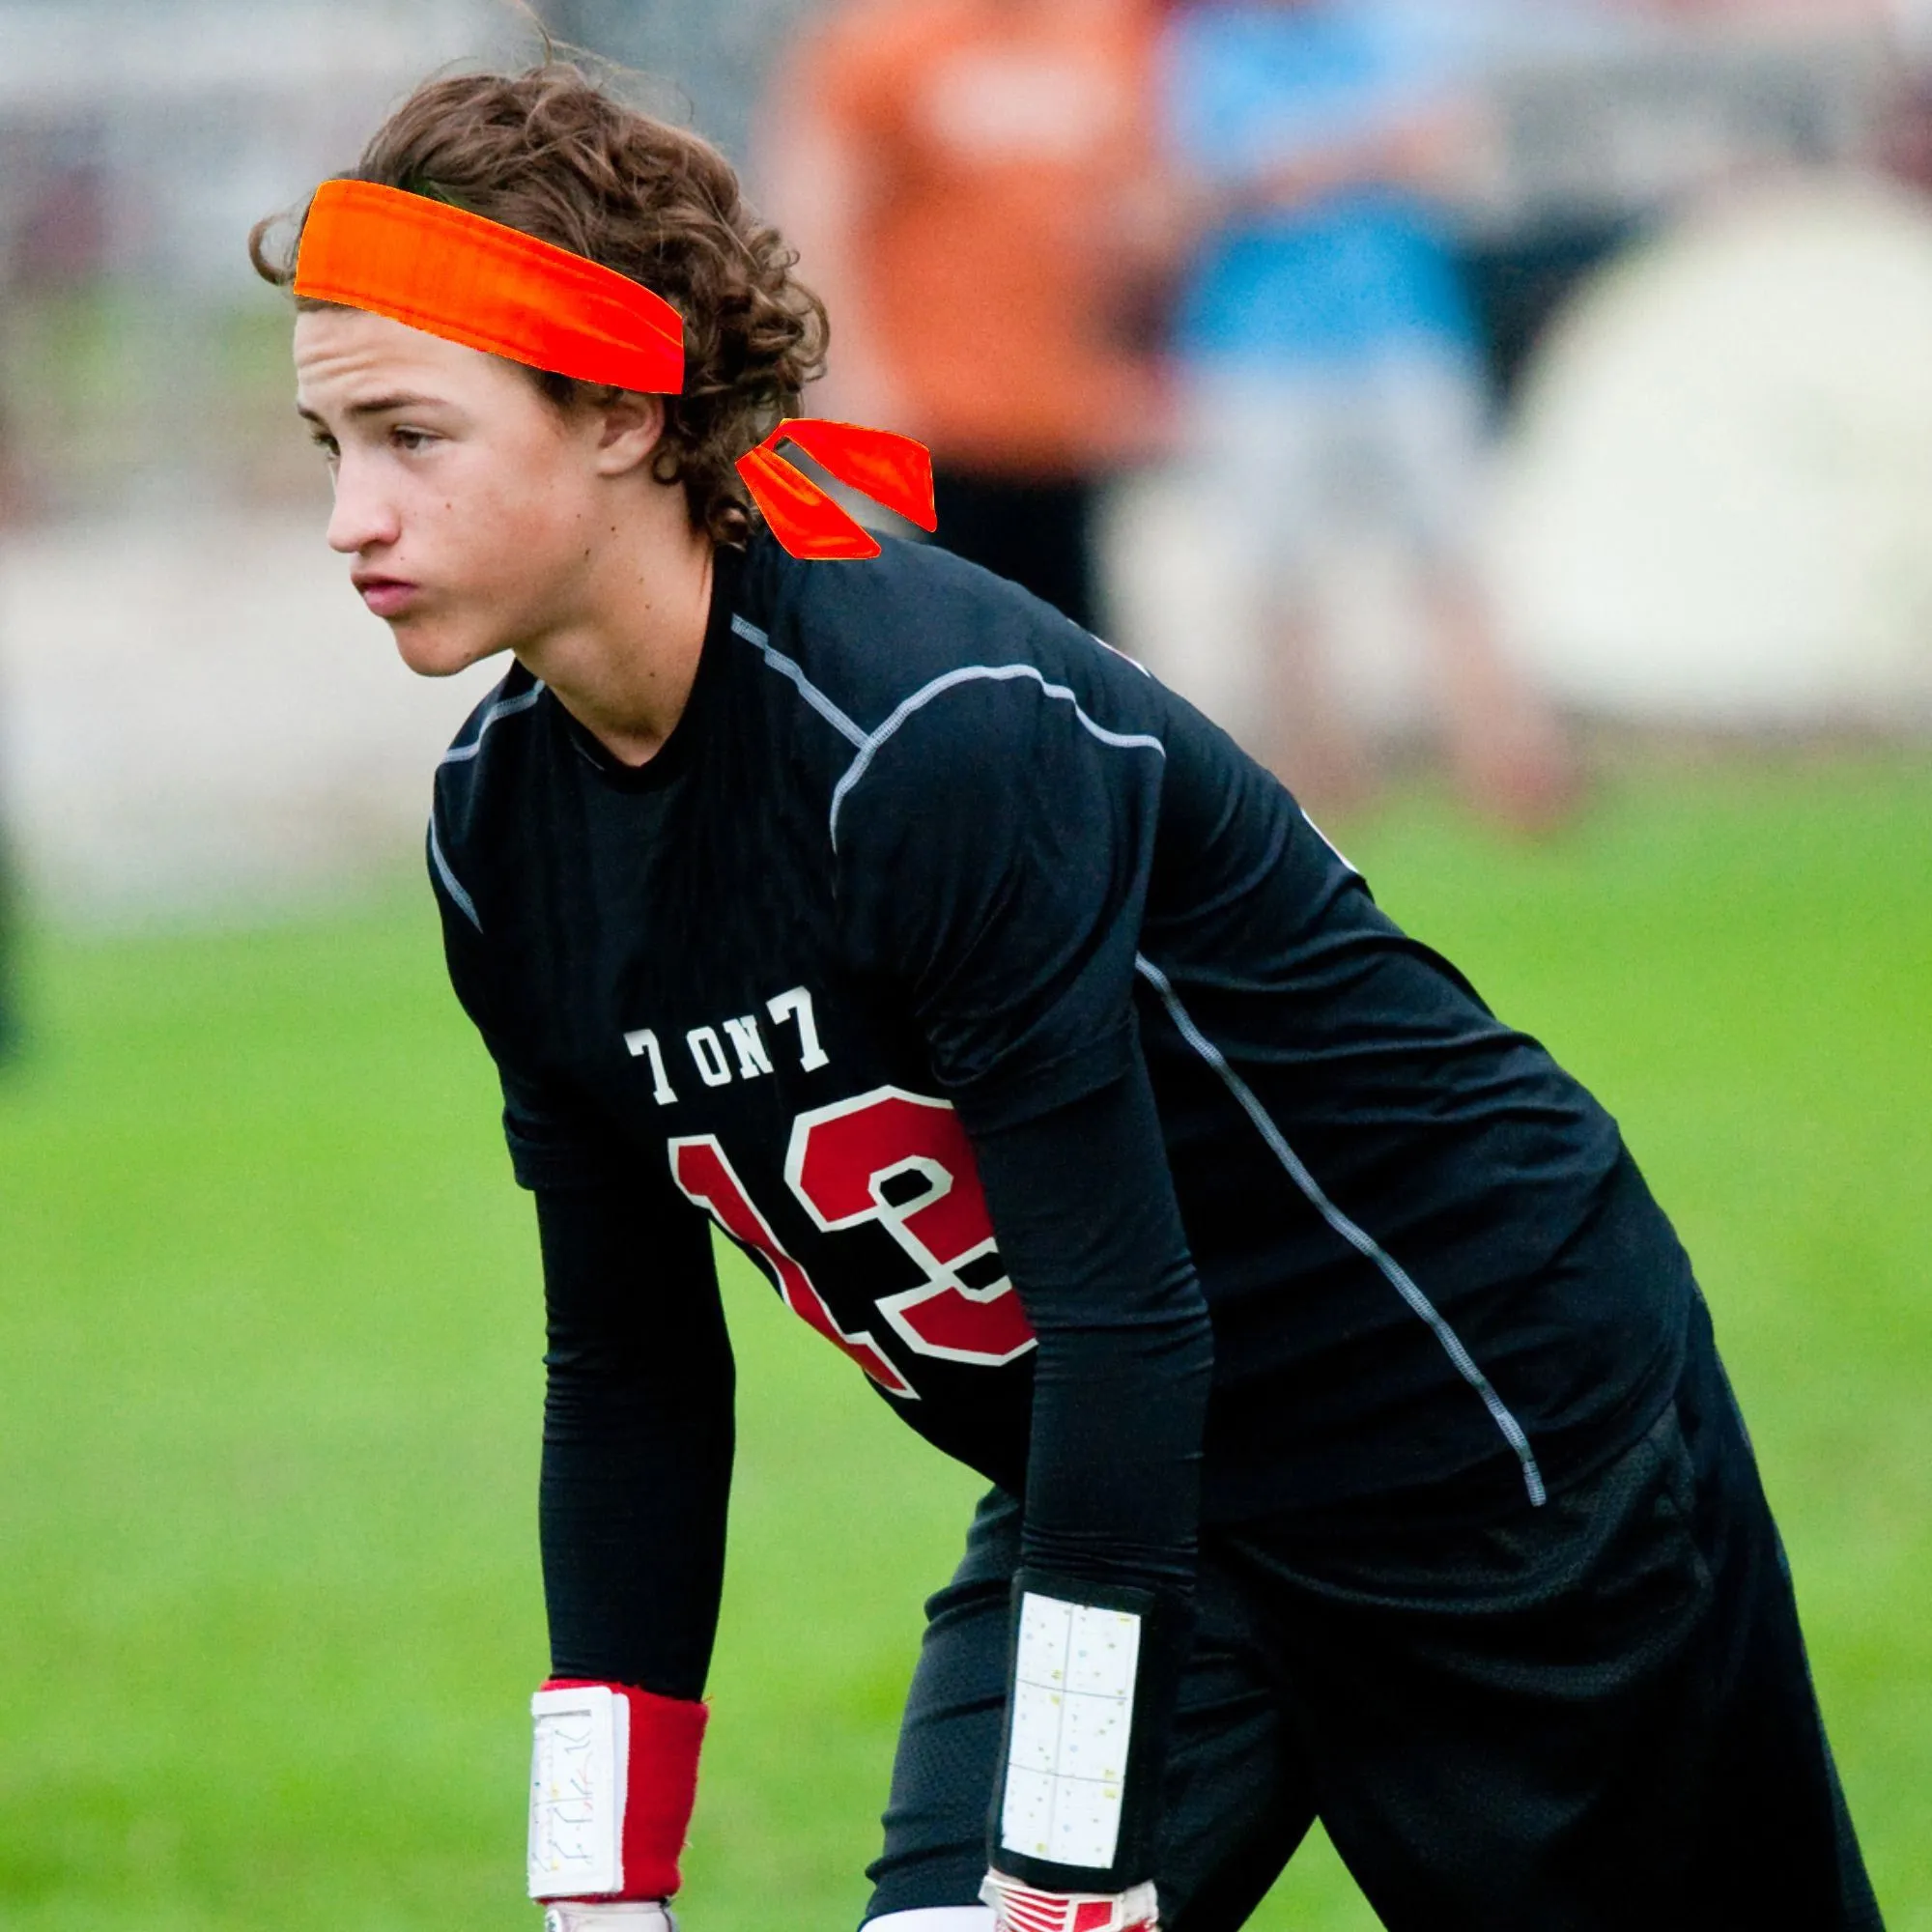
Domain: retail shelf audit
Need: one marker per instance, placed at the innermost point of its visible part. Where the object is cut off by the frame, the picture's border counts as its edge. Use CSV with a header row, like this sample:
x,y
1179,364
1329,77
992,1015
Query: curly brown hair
x,y
551,152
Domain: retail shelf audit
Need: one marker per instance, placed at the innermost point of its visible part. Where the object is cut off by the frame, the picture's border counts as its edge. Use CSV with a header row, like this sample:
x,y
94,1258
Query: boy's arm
x,y
995,854
1088,1225
637,1470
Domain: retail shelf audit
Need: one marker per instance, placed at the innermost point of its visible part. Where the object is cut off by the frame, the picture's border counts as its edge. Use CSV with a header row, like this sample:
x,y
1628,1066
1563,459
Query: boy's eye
x,y
412,439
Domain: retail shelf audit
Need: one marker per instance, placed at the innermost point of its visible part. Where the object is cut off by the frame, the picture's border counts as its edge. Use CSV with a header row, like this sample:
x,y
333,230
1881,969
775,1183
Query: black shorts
x,y
1596,1714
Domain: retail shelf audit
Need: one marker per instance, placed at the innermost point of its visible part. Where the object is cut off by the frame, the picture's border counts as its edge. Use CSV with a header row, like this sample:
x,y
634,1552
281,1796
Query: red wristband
x,y
660,1782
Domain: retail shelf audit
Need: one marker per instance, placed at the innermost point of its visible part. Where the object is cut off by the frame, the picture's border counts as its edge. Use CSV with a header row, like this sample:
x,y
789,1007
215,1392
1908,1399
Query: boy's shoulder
x,y
916,622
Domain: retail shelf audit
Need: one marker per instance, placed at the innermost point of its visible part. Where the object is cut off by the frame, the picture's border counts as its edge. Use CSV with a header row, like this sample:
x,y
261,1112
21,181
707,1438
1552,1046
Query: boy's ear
x,y
631,427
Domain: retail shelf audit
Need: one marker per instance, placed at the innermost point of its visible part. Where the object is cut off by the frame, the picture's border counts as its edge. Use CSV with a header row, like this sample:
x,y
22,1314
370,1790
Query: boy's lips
x,y
385,595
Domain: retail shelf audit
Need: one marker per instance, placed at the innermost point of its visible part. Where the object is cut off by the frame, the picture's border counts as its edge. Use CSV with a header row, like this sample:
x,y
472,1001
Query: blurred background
x,y
1511,418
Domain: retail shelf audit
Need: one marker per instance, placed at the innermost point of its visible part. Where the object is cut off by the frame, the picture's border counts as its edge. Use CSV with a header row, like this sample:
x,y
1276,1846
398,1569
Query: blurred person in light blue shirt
x,y
1317,112
1332,369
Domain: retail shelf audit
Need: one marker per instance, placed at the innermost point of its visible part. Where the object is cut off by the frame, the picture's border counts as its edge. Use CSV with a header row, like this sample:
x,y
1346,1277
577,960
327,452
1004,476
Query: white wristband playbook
x,y
579,1761
613,1776
1069,1729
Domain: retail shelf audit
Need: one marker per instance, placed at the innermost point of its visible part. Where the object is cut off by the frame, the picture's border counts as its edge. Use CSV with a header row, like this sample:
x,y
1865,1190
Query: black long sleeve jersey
x,y
1051,1065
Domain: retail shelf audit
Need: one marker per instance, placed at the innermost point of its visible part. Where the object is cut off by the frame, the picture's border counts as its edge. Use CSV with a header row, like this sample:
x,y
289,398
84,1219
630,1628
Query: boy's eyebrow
x,y
375,405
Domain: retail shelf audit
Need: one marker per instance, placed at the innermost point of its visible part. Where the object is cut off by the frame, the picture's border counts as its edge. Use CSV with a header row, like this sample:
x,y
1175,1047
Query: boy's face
x,y
470,506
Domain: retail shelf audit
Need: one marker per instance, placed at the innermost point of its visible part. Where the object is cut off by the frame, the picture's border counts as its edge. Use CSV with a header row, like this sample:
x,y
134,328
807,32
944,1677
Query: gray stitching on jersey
x,y
1359,1238
452,884
509,708
807,690
967,675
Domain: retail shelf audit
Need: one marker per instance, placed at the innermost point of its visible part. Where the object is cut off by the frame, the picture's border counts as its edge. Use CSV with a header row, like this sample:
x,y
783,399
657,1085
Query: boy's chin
x,y
430,651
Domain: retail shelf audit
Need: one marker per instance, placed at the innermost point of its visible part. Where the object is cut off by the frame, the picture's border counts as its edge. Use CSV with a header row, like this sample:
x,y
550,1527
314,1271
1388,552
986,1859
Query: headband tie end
x,y
799,514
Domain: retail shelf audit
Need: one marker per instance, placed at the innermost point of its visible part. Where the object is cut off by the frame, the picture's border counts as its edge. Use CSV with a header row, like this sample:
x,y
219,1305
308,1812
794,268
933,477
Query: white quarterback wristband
x,y
578,1782
1068,1730
613,1774
629,1914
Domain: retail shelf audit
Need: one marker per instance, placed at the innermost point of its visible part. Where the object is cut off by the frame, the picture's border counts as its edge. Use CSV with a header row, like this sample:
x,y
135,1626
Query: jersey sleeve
x,y
638,1442
993,859
1084,1209
556,1141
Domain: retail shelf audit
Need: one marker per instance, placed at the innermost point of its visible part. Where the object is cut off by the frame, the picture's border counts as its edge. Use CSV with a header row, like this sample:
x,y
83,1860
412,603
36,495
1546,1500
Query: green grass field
x,y
269,1379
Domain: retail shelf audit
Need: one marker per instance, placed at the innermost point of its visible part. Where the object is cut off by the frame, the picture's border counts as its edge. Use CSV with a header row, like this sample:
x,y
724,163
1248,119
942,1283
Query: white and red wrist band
x,y
614,1777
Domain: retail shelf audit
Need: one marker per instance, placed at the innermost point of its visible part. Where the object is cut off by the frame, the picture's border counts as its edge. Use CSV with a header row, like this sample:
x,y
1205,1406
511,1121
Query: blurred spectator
x,y
965,182
1332,374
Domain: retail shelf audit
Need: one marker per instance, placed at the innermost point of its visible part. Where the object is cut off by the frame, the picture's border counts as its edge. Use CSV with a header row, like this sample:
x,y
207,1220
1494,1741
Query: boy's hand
x,y
1019,1907
630,1914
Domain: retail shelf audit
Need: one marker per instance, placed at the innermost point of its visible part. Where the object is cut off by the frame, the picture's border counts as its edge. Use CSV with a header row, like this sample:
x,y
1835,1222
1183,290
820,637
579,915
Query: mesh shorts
x,y
1589,1717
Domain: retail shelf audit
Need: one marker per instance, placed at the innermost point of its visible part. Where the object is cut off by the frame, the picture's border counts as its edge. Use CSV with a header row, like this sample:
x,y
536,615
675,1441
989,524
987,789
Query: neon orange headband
x,y
491,287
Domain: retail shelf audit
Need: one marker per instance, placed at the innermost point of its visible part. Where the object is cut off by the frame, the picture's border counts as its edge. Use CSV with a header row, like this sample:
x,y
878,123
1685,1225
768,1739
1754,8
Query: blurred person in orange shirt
x,y
973,190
